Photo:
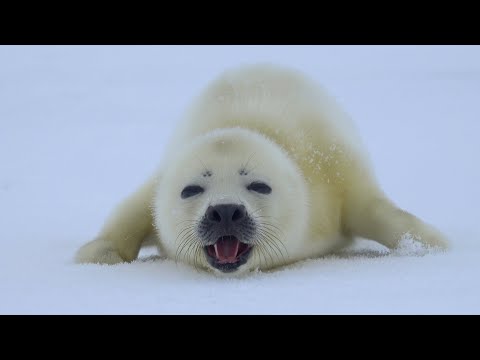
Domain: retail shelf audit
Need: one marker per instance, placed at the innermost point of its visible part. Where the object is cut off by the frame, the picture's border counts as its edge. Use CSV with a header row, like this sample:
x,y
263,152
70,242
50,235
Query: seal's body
x,y
264,170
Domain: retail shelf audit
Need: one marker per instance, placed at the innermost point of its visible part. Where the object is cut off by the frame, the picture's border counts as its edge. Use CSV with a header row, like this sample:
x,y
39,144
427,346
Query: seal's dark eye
x,y
259,187
191,190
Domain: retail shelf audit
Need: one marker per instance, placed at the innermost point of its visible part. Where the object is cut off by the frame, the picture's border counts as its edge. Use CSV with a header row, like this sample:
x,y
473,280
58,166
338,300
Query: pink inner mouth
x,y
227,249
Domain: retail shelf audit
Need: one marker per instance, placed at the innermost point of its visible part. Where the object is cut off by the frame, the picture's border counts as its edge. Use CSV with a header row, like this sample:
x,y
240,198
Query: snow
x,y
82,126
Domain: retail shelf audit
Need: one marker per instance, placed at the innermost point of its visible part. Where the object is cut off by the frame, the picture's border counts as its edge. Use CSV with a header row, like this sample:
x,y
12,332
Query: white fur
x,y
285,130
225,152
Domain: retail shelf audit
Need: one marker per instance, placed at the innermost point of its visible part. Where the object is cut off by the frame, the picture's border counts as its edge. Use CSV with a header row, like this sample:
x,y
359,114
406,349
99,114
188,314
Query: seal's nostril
x,y
239,213
225,213
236,215
213,215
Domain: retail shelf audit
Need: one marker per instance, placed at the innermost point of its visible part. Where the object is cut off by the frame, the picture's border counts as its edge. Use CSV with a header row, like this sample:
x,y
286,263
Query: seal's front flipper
x,y
123,234
379,219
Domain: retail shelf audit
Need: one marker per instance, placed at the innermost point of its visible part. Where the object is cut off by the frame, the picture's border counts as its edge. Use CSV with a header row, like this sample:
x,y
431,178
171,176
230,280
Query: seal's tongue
x,y
226,249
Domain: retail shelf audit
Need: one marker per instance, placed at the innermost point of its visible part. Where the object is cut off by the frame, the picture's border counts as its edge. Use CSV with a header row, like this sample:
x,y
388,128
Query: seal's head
x,y
231,201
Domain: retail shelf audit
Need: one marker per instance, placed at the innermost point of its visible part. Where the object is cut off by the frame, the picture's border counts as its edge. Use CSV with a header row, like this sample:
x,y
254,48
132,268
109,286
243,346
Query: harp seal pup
x,y
264,170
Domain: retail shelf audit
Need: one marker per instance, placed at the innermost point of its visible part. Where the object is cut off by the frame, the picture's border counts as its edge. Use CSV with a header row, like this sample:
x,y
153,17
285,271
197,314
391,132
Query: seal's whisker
x,y
185,242
272,244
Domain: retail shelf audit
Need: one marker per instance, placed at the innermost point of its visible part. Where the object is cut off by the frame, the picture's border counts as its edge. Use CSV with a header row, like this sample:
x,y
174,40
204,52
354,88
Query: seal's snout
x,y
227,229
226,214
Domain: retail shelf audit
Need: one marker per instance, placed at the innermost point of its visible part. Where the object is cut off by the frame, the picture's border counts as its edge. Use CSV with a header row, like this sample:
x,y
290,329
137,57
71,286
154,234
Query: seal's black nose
x,y
226,213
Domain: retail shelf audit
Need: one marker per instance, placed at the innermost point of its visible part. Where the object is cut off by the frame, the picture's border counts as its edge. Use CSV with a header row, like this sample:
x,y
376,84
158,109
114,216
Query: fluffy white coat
x,y
270,124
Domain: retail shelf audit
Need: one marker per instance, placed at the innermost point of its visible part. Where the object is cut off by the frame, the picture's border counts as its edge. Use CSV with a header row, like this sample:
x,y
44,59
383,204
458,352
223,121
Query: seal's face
x,y
230,202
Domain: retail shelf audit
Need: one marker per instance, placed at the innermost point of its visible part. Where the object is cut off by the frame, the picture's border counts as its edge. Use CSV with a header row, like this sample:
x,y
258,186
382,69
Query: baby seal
x,y
265,169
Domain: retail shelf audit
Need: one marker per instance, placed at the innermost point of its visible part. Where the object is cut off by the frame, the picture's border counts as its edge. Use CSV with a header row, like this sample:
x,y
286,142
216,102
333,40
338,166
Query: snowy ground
x,y
80,127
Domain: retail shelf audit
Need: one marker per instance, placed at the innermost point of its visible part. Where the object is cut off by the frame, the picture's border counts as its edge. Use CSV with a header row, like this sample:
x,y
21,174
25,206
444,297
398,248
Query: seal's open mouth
x,y
228,253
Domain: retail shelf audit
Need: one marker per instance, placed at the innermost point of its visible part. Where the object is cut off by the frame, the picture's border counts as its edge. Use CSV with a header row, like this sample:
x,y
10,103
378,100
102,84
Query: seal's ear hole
x,y
259,187
191,190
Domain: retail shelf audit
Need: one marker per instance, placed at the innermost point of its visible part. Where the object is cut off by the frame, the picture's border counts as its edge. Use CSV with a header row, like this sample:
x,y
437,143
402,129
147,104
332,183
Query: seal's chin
x,y
227,254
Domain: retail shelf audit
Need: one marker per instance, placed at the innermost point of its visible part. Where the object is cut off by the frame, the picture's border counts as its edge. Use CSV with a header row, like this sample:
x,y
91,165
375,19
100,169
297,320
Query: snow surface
x,y
82,126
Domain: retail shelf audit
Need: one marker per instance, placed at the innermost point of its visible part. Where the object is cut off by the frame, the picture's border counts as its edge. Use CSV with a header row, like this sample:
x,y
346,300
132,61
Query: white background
x,y
83,126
